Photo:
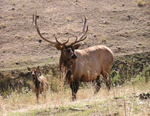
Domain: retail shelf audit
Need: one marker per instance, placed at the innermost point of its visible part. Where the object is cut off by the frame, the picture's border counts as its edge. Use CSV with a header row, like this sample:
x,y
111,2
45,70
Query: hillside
x,y
123,26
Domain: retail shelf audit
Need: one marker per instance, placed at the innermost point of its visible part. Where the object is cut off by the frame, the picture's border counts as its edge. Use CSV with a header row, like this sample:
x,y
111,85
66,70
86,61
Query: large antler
x,y
82,37
36,26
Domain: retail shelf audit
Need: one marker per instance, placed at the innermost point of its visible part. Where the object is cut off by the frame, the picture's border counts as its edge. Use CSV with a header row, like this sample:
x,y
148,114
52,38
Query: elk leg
x,y
74,87
45,90
37,91
107,80
37,97
45,97
97,85
68,76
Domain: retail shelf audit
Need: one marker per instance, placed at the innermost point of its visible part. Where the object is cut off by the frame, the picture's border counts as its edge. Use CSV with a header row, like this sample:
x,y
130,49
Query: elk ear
x,y
28,69
76,46
37,68
59,47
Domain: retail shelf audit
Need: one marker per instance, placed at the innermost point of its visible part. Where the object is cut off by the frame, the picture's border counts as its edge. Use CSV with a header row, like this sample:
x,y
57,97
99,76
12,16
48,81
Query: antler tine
x,y
84,23
36,26
82,37
84,32
60,42
66,42
57,40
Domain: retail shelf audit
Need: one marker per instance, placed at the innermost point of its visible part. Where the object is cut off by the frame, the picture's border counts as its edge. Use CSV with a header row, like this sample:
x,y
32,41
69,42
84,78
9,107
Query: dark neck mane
x,y
36,82
65,63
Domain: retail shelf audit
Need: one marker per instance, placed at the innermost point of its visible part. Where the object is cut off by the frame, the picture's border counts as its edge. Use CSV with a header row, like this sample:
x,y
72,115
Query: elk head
x,y
33,72
67,51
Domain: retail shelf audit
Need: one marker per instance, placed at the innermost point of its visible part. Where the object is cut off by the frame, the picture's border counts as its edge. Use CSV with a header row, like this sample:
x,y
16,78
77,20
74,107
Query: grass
x,y
140,3
119,101
3,25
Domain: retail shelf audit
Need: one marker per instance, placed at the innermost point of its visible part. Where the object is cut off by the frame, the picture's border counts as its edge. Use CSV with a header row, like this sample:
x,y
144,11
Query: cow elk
x,y
40,83
82,65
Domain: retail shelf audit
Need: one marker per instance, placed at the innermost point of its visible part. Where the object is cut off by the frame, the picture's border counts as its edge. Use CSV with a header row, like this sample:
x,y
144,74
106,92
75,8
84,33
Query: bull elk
x,y
82,65
40,83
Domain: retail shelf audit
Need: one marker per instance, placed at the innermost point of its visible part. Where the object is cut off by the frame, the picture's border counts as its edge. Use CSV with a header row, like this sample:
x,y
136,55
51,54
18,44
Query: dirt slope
x,y
122,26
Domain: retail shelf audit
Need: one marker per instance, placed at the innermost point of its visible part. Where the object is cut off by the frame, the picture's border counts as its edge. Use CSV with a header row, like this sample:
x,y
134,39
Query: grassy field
x,y
120,101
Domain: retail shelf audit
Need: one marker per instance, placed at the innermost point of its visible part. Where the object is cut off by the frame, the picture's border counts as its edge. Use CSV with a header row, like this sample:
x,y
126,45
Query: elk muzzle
x,y
74,56
33,73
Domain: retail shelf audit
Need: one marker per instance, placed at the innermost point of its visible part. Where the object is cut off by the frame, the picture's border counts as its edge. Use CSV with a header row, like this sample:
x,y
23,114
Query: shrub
x,y
140,3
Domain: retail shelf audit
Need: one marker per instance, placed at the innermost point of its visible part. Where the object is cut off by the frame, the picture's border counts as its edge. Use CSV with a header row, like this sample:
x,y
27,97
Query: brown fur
x,y
40,83
88,66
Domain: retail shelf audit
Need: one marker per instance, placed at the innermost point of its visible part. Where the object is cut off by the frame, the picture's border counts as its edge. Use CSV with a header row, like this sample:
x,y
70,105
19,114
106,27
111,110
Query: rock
x,y
17,63
105,22
94,35
40,41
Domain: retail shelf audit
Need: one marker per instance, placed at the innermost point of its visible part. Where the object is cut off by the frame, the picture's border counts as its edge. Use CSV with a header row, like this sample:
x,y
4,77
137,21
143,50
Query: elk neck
x,y
66,62
36,81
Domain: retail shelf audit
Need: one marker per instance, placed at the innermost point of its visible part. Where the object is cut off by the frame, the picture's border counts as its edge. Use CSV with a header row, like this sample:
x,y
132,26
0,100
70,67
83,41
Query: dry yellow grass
x,y
25,102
